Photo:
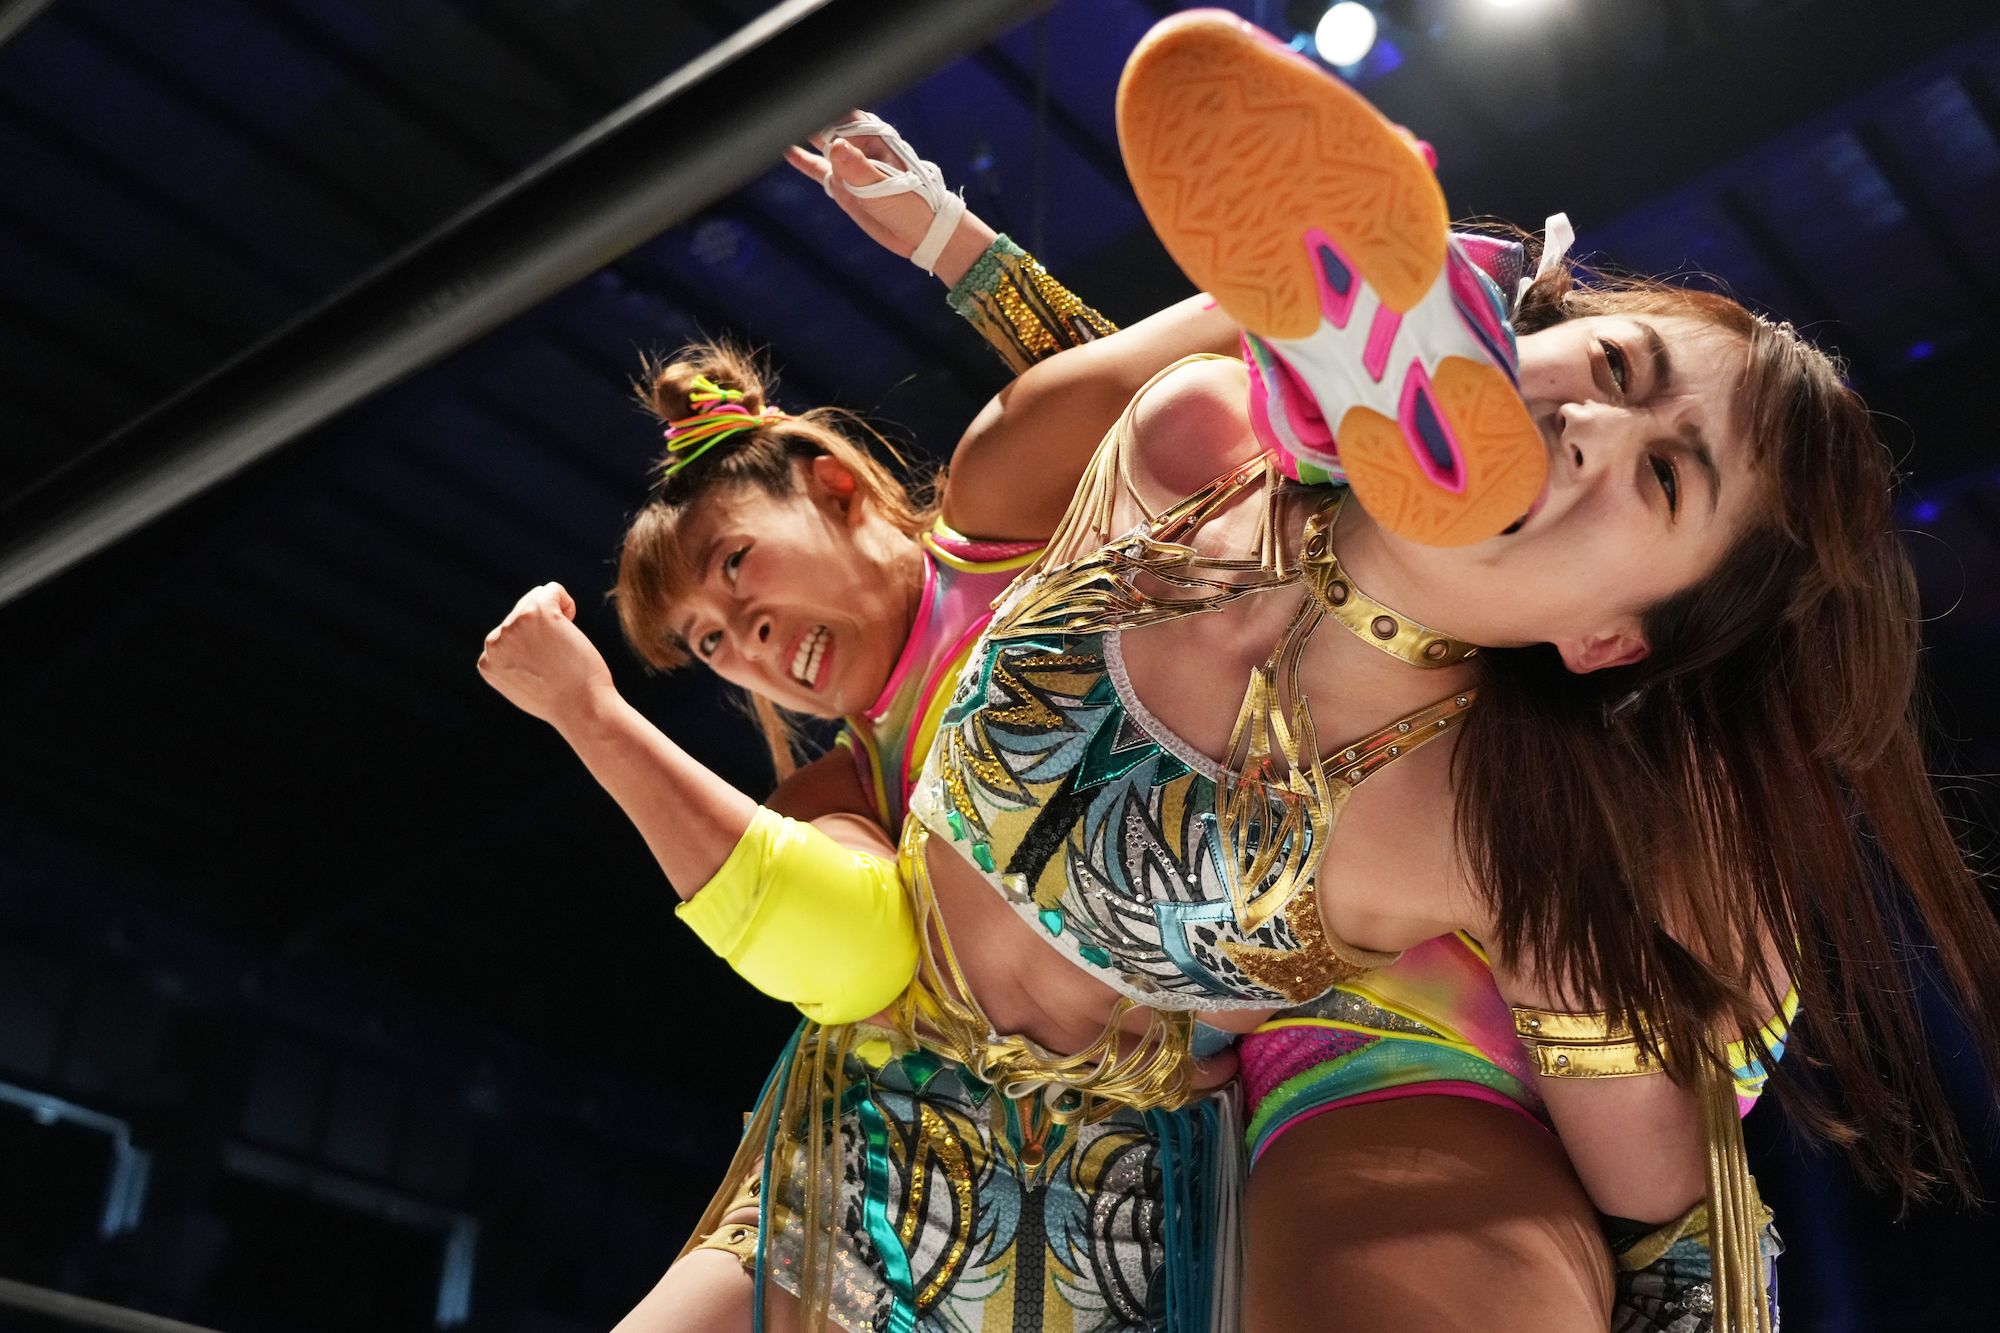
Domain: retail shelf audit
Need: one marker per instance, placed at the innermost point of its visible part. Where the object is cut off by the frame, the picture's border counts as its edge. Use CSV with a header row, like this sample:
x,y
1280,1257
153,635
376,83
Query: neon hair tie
x,y
721,415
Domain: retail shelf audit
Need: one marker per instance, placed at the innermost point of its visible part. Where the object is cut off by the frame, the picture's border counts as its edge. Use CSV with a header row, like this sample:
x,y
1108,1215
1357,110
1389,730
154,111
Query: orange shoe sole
x,y
1505,469
1204,97
1253,165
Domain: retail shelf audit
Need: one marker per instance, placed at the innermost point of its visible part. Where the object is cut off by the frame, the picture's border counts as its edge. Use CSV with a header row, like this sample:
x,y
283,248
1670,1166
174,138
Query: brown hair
x,y
654,565
1757,778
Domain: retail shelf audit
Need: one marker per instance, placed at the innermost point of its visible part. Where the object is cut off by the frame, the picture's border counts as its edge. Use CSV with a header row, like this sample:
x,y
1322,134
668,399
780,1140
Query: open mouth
x,y
810,656
1549,440
1533,509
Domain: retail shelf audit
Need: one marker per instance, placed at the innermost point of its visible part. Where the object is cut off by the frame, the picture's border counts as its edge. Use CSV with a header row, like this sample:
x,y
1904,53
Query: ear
x,y
833,482
1595,652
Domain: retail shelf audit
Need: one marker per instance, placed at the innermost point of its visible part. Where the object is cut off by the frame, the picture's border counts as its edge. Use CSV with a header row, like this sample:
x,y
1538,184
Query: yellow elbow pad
x,y
808,921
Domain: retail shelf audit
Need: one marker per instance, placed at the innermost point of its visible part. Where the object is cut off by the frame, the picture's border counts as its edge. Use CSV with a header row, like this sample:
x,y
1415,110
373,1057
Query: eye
x,y
709,642
733,562
1670,482
1616,361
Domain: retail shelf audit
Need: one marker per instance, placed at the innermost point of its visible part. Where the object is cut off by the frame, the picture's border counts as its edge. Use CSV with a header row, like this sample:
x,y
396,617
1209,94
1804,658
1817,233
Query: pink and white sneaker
x,y
1376,350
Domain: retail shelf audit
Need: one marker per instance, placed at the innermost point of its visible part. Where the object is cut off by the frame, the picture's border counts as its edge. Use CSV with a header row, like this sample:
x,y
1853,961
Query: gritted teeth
x,y
807,657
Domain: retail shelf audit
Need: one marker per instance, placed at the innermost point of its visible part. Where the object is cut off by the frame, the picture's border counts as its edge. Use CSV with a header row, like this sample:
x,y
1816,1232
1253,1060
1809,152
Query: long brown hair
x,y
1757,778
655,568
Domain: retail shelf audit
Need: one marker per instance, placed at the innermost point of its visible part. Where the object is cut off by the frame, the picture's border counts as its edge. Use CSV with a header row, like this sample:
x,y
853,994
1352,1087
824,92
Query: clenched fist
x,y
542,662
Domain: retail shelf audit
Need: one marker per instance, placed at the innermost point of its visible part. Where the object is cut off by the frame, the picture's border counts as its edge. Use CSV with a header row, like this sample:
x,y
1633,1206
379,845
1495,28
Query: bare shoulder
x,y
1191,426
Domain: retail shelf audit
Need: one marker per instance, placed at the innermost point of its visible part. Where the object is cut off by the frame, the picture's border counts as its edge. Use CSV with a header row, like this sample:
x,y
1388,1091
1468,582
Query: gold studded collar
x,y
1367,619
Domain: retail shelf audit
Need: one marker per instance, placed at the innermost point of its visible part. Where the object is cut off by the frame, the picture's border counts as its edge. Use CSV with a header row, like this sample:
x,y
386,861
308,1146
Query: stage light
x,y
1346,33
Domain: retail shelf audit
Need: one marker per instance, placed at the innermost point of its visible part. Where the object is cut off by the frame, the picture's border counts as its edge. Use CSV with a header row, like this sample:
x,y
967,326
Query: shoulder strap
x,y
1381,748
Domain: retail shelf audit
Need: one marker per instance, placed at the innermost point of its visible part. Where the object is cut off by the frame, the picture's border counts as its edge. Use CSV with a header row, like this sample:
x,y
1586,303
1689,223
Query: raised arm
x,y
808,914
1016,467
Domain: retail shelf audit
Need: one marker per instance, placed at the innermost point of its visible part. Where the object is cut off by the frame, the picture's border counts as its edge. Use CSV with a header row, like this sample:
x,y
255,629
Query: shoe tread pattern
x,y
1505,460
1208,100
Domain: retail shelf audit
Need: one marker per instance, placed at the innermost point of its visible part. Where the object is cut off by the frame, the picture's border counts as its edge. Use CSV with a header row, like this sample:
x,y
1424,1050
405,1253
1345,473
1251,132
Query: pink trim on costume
x,y
1337,308
1444,1087
1474,300
913,758
912,649
1381,333
1416,383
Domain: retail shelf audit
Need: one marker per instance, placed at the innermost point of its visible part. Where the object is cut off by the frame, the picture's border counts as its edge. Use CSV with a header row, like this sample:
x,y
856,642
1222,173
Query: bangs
x,y
656,571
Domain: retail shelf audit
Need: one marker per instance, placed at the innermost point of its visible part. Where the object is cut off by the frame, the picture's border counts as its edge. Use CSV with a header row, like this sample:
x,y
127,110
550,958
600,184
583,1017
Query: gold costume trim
x,y
1367,619
1150,1069
737,1238
1597,1044
1586,1044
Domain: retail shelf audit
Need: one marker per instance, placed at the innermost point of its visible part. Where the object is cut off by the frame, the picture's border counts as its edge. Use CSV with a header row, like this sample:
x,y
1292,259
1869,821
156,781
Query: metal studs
x,y
1403,727
1440,724
1562,1062
1354,776
1383,627
1534,1025
1461,701
1353,755
1395,750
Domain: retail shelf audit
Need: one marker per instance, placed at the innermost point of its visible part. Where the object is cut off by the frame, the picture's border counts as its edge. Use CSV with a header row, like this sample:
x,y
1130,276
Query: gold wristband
x,y
1590,1044
1022,311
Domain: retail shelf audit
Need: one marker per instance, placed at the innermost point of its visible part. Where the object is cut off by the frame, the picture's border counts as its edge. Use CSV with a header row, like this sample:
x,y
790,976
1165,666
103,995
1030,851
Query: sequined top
x,y
1181,882
962,578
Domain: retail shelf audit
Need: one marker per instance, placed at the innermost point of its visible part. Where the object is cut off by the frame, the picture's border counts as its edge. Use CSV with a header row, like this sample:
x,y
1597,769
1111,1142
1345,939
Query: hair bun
x,y
666,386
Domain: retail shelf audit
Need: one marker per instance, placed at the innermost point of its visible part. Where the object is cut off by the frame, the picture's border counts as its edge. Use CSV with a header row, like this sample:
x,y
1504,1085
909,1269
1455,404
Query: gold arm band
x,y
1588,1044
1731,1219
1022,312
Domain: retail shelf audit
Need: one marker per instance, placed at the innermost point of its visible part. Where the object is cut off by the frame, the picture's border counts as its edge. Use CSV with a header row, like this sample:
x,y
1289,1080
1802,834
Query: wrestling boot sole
x,y
1320,228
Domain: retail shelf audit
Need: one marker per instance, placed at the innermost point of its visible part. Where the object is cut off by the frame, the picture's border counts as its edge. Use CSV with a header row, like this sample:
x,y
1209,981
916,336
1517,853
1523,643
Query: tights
x,y
1364,1211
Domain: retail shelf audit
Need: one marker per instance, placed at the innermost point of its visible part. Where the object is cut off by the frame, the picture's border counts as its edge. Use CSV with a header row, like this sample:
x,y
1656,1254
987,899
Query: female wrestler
x,y
1516,1159
1120,594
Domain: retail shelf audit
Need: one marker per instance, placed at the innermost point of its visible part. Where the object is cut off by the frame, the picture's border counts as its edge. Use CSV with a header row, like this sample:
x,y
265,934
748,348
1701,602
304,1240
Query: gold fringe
x,y
1735,1217
1148,1069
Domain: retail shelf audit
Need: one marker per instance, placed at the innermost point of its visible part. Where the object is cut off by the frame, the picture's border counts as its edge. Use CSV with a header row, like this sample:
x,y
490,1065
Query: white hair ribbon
x,y
1557,238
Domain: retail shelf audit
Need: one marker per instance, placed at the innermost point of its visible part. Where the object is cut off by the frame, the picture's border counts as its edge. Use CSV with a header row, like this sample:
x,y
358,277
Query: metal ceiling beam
x,y
689,140
17,14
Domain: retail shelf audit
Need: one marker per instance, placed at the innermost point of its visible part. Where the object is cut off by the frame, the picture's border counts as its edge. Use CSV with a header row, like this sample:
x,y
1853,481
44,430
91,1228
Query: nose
x,y
1589,434
753,634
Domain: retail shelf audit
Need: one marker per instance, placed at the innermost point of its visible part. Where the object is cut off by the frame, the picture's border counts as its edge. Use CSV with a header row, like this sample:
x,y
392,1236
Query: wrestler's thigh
x,y
1421,1213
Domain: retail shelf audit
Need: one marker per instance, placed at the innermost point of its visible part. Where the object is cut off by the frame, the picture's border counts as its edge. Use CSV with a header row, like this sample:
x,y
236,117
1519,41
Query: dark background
x,y
332,993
